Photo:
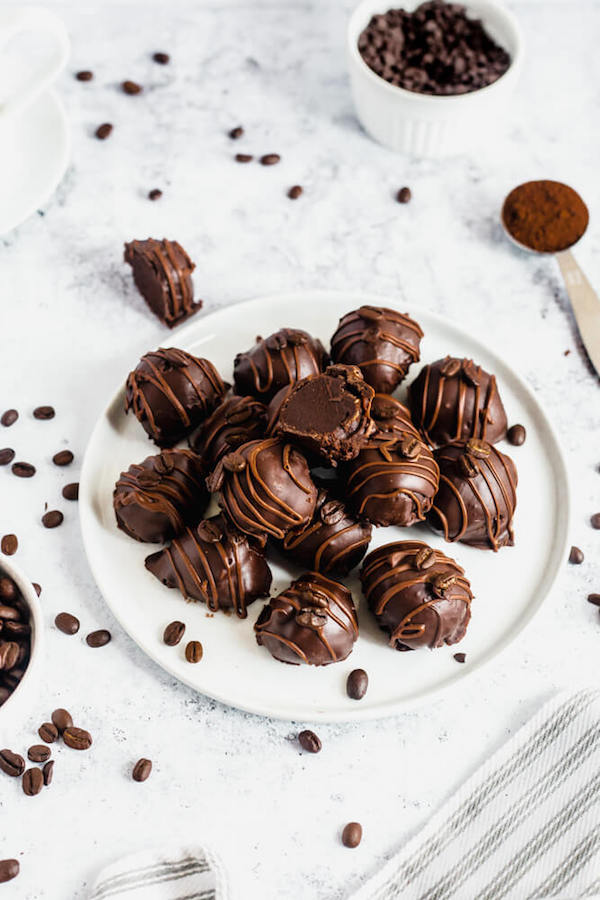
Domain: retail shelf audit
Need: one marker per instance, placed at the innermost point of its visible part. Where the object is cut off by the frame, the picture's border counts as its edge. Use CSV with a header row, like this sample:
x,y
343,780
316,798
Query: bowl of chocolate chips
x,y
433,79
21,636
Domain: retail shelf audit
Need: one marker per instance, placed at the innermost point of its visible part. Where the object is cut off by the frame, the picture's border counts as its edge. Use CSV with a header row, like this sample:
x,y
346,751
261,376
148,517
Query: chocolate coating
x,y
313,621
155,500
328,414
391,417
283,358
382,342
171,392
477,496
216,564
274,408
234,422
332,542
454,400
265,488
162,273
419,596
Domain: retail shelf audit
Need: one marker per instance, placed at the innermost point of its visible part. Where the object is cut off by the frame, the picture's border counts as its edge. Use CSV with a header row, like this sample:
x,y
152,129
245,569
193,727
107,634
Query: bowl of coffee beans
x,y
21,637
433,79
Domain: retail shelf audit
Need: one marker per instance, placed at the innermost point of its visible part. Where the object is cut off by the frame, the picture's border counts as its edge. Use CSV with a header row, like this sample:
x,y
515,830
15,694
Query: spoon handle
x,y
585,303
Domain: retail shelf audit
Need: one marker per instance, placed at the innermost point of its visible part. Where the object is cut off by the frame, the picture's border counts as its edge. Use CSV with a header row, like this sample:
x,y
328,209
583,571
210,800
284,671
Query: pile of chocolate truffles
x,y
307,453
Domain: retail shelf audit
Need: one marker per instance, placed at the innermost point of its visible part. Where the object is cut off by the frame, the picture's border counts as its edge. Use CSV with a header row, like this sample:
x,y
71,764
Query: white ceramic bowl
x,y
14,709
423,124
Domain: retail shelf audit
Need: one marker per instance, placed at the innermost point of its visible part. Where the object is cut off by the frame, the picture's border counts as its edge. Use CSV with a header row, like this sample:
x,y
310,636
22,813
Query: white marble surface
x,y
71,325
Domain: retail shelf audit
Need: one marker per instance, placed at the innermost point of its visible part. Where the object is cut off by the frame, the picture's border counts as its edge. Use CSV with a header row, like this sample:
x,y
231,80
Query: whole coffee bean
x,y
595,520
67,623
38,753
37,588
236,133
23,470
62,719
460,657
10,613
63,458
404,195
9,869
98,638
131,87
9,417
309,741
357,684
9,655
161,58
173,633
516,435
9,544
84,75
576,556
48,732
77,738
16,630
52,519
12,763
8,590
4,694
44,412
104,131
294,192
270,159
594,598
243,157
352,834
71,491
155,194
33,782
193,652
142,769
48,772
7,454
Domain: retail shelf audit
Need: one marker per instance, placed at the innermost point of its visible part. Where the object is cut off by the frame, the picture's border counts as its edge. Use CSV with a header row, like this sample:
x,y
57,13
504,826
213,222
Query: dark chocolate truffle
x,y
156,499
162,273
274,408
391,417
234,422
313,621
171,392
283,358
419,596
477,496
332,542
454,400
216,564
383,343
265,488
328,414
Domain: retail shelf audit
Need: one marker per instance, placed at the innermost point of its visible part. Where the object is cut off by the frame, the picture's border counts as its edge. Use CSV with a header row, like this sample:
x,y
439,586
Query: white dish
x,y
509,586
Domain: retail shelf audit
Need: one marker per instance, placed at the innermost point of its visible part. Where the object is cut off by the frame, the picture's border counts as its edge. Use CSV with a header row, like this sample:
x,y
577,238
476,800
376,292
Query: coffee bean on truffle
x,y
9,544
9,417
104,131
576,556
516,435
309,741
352,835
357,684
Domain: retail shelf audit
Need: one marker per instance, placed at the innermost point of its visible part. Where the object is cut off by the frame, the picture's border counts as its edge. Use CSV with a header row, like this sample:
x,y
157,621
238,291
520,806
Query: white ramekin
x,y
14,709
422,124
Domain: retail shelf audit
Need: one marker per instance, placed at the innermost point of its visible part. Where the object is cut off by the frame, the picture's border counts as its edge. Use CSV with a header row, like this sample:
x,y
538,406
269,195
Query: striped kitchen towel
x,y
188,873
526,826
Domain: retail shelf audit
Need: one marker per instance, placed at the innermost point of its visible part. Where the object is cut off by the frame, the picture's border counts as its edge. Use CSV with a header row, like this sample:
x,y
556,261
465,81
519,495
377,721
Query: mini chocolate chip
x,y
9,869
162,59
48,772
295,192
38,753
155,194
352,835
77,738
9,544
243,157
595,520
236,133
234,462
193,652
173,633
270,159
63,458
84,75
357,684
460,657
309,741
576,556
52,519
44,412
99,638
451,367
62,719
468,466
404,195
6,456
516,435
478,449
33,782
48,732
23,470
71,491
131,87
67,623
594,598
11,763
9,417
104,131
424,558
141,770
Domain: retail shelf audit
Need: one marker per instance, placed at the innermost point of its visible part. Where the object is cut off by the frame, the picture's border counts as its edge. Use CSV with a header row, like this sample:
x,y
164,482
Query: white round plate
x,y
234,668
35,148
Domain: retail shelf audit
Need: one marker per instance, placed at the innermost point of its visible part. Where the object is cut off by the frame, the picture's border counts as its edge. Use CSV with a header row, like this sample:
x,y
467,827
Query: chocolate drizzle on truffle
x,y
283,358
162,273
313,622
392,418
234,422
419,596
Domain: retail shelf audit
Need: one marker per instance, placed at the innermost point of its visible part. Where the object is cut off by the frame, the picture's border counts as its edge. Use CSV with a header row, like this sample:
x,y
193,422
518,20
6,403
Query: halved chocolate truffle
x,y
171,392
156,499
382,342
216,564
328,414
419,596
265,488
234,422
283,358
477,496
313,621
454,400
162,273
274,408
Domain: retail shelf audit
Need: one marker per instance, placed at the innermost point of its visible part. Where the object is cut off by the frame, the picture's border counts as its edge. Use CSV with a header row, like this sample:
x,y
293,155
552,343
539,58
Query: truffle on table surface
x,y
419,596
313,621
477,495
382,342
216,564
162,273
454,400
328,414
234,422
283,358
155,500
171,392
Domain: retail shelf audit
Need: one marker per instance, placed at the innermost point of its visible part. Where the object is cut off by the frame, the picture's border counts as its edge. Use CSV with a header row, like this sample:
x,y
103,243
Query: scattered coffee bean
x,y
12,763
62,719
9,417
576,556
37,588
131,87
77,738
193,652
270,159
155,194
309,741
404,195
38,753
295,192
352,834
84,75
44,412
460,657
52,519
595,520
98,638
357,684
23,470
236,133
48,732
104,131
71,491
173,633
162,59
9,869
48,772
594,598
6,456
63,458
9,544
516,435
141,770
243,157
8,589
33,782
67,623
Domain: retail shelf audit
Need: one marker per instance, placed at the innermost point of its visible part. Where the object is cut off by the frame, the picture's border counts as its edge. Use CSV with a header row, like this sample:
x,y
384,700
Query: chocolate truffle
x,y
234,422
333,541
274,408
419,596
171,392
214,563
265,488
383,343
454,400
328,414
156,499
477,496
391,417
283,358
313,622
162,273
